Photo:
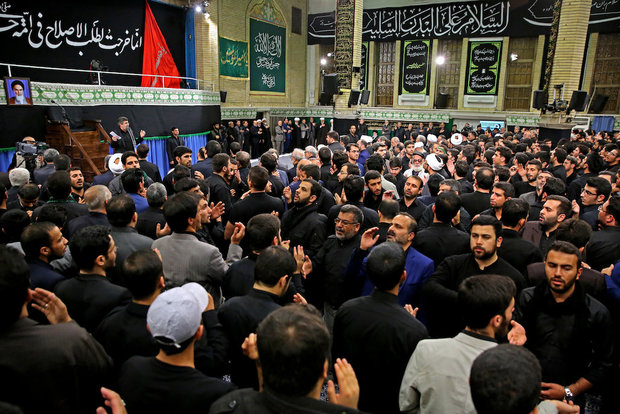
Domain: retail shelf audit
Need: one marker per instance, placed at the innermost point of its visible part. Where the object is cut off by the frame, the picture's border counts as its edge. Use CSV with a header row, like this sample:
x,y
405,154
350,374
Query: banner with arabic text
x,y
233,58
483,62
414,67
364,66
461,19
267,57
72,34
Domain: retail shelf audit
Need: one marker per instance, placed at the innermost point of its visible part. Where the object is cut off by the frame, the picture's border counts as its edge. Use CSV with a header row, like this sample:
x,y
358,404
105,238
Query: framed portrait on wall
x,y
17,91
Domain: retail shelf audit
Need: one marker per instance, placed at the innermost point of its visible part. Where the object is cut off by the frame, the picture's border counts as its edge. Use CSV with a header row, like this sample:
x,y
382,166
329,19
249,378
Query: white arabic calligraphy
x,y
269,80
270,45
56,33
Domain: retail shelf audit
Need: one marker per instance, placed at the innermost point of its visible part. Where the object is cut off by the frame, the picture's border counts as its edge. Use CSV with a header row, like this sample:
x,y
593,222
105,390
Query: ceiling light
x,y
440,60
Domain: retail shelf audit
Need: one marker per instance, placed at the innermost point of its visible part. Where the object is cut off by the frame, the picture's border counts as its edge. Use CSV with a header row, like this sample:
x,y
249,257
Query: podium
x,y
85,142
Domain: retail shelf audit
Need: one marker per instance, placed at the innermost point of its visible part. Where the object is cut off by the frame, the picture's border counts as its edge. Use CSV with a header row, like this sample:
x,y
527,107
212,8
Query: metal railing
x,y
210,85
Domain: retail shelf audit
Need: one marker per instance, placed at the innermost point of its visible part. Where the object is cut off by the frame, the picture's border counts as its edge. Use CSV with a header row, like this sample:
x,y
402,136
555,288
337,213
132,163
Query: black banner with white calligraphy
x,y
72,34
483,63
464,19
414,67
364,66
343,50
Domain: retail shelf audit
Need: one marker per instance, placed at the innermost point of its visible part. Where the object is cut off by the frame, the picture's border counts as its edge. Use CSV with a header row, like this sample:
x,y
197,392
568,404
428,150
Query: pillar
x,y
348,49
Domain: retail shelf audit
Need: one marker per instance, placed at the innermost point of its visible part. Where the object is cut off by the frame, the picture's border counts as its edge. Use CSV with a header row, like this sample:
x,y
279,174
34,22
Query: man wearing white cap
x,y
456,139
169,382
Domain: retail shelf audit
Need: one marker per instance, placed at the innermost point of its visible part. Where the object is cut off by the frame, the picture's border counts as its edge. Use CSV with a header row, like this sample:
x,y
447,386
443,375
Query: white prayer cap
x,y
434,162
431,138
456,139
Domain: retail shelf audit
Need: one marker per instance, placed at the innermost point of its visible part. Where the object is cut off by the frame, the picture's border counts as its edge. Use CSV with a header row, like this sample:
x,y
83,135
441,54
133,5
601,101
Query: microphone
x,y
64,112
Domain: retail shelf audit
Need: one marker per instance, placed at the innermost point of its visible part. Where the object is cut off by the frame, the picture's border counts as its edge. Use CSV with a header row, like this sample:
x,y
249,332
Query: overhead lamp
x,y
440,60
323,61
514,56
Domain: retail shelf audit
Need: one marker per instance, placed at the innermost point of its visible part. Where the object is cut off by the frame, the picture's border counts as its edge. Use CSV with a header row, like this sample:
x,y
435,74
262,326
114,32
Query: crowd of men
x,y
374,275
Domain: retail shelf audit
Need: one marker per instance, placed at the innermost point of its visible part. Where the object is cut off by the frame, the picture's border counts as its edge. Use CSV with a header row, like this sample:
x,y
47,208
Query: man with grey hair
x,y
123,137
296,156
153,217
96,198
311,152
17,177
41,174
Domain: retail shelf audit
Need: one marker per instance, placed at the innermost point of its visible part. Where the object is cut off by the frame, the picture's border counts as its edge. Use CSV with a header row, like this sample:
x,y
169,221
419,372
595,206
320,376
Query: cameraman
x,y
29,161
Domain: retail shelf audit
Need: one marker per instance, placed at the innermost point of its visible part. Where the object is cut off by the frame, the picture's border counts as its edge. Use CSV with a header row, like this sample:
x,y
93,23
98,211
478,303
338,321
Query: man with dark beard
x,y
440,293
568,330
437,377
303,225
542,232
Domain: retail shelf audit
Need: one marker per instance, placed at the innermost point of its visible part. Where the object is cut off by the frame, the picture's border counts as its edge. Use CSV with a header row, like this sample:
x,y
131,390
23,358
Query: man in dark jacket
x,y
480,199
123,137
294,339
302,224
569,331
173,141
241,315
90,295
441,239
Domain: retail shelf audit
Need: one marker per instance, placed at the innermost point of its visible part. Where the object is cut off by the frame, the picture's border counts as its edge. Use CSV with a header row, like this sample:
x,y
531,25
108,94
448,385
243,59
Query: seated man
x,y
293,339
56,368
90,295
170,379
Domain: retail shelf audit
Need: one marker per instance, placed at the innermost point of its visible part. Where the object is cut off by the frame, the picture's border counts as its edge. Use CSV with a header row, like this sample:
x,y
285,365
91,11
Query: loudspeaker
x,y
365,97
577,101
354,98
223,96
330,84
441,101
539,100
598,103
356,69
325,99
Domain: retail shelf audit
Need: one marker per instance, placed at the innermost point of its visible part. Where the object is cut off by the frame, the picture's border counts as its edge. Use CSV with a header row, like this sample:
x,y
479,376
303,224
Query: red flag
x,y
157,59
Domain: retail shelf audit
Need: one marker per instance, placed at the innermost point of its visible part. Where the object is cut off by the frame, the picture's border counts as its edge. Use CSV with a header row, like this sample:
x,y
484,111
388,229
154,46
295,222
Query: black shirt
x,y
149,385
220,191
148,220
90,297
151,170
440,292
256,203
377,336
416,208
240,317
518,252
123,334
440,240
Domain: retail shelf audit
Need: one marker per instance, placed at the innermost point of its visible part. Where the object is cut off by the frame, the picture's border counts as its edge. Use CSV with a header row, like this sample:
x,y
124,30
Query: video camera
x,y
26,149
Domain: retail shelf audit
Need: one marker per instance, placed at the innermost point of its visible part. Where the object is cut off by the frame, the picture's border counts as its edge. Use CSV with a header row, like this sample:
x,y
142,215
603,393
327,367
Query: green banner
x,y
415,60
267,58
483,62
233,58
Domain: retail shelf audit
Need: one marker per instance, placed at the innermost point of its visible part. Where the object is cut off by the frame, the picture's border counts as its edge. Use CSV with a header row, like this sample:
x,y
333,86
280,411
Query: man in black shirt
x,y
302,225
153,216
602,250
480,199
440,292
255,203
219,183
173,141
241,315
90,295
150,169
514,249
377,335
410,203
569,331
441,239
55,368
353,188
170,379
123,333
